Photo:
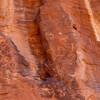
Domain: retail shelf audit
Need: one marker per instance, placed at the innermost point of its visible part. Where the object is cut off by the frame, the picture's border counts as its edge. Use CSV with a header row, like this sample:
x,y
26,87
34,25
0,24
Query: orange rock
x,y
49,49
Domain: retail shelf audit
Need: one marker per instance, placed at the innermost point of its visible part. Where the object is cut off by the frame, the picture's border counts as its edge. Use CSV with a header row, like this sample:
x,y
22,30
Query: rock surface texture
x,y
49,49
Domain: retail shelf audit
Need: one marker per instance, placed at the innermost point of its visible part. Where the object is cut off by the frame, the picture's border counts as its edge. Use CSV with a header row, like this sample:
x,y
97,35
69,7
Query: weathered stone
x,y
49,50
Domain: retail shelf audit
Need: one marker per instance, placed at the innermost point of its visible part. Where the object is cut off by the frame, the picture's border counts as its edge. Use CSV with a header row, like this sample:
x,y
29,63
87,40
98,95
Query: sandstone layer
x,y
49,50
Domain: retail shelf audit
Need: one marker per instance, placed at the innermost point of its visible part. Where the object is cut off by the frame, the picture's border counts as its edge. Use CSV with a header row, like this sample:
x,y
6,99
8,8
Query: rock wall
x,y
49,50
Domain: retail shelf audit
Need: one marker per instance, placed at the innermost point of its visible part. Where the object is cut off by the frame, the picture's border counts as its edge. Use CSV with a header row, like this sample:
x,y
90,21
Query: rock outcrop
x,y
49,50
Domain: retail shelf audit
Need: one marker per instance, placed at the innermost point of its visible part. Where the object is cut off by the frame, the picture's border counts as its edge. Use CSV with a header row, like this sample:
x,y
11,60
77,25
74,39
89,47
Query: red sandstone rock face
x,y
49,50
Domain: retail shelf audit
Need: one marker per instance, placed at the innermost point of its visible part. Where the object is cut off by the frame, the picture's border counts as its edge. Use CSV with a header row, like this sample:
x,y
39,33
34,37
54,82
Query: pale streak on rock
x,y
95,24
80,74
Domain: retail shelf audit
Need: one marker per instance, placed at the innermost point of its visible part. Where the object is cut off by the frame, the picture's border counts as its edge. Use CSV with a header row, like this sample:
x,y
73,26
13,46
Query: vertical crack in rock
x,y
95,24
39,46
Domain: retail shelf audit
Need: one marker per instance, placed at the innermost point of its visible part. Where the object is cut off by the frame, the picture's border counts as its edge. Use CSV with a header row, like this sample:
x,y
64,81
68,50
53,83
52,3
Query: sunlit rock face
x,y
49,50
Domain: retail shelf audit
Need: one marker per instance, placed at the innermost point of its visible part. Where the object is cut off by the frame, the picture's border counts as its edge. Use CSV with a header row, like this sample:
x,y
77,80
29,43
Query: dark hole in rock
x,y
74,26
